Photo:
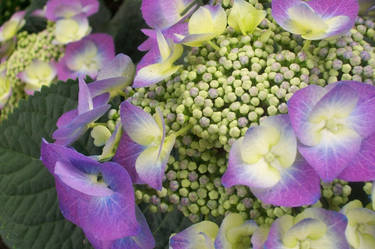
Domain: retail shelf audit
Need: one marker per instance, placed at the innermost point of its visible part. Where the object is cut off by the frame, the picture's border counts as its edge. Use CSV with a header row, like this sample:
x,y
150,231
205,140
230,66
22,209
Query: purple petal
x,y
120,66
90,7
151,57
299,109
56,9
106,85
161,14
142,240
70,132
299,185
126,155
84,97
259,237
139,125
150,164
111,217
329,9
362,166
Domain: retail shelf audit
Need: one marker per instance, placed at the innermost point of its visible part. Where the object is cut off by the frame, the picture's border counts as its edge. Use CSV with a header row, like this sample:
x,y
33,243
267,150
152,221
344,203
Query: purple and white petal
x,y
362,167
299,185
139,125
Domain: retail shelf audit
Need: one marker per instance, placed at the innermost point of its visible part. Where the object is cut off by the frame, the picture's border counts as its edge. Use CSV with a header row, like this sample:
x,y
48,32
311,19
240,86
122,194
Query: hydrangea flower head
x,y
10,28
201,235
315,19
234,232
86,57
162,14
335,129
37,74
144,148
205,24
266,160
157,64
71,125
99,198
313,228
5,89
360,231
244,17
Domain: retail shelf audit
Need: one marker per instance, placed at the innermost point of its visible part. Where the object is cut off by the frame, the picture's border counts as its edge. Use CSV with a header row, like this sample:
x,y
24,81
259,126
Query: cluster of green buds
x,y
29,47
223,91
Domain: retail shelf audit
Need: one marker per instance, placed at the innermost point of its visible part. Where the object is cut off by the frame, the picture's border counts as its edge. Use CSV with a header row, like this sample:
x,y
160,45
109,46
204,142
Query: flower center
x,y
333,125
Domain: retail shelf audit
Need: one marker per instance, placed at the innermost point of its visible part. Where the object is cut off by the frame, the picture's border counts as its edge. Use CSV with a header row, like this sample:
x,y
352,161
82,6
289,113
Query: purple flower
x,y
313,228
62,9
162,14
335,128
266,160
144,148
315,19
142,240
86,57
71,125
10,28
114,76
97,197
157,64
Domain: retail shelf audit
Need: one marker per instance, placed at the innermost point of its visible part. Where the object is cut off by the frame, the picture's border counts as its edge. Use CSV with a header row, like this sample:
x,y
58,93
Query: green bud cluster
x,y
29,47
221,93
335,194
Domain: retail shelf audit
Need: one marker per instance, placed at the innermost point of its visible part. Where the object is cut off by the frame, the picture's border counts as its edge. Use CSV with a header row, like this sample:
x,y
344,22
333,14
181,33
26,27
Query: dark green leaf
x,y
29,214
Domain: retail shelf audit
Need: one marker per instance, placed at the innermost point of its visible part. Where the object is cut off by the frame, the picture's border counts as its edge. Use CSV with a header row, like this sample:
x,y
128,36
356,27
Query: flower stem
x,y
182,131
213,45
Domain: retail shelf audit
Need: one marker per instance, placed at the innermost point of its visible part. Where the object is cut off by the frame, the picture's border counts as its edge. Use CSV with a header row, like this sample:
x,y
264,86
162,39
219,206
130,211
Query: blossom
x,y
144,148
234,232
313,228
10,28
72,124
114,76
60,9
86,57
266,160
334,126
200,235
37,74
5,89
260,236
162,14
158,65
315,19
360,231
205,24
72,29
97,197
244,17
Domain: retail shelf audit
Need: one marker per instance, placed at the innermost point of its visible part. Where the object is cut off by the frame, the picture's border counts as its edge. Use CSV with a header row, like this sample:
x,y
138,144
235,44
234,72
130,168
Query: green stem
x,y
213,45
182,131
306,46
92,125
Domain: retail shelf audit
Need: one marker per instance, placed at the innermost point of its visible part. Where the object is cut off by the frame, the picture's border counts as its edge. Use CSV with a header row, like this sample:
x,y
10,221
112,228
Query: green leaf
x,y
29,214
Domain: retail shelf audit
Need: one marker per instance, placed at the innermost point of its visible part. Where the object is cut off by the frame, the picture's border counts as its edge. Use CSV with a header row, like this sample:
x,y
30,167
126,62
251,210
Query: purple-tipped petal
x,y
162,14
299,185
362,167
106,85
67,134
142,240
139,125
85,103
127,154
90,7
259,237
315,19
56,9
150,164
